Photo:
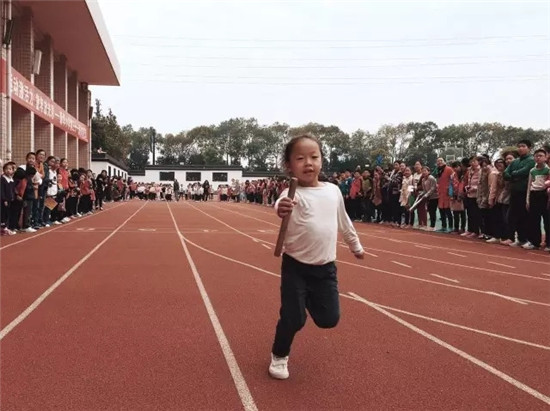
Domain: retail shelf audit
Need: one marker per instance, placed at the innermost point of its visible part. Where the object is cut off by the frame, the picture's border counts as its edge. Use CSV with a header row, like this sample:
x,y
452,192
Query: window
x,y
219,177
193,176
166,176
109,171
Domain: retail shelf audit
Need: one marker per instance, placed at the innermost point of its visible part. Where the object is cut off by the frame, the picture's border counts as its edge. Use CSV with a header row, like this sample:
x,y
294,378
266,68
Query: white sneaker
x,y
279,367
517,244
30,230
56,223
493,240
528,246
66,220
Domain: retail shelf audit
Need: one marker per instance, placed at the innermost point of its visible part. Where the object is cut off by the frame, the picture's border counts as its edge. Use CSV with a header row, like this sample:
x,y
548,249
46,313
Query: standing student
x,y
7,196
457,198
517,173
308,273
445,192
429,190
472,186
536,200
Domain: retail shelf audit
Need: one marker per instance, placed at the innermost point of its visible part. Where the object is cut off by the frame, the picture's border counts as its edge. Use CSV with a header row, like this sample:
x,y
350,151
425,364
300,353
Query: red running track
x,y
129,322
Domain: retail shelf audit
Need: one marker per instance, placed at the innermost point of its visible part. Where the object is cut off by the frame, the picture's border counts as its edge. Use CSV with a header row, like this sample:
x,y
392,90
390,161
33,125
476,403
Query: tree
x,y
358,154
140,147
421,147
176,149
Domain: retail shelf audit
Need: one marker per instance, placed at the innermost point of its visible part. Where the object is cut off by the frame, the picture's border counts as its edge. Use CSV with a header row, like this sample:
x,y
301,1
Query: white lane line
x,y
266,246
396,274
445,278
236,374
394,241
272,274
456,254
518,384
548,275
474,290
499,272
366,253
401,264
463,327
405,255
506,257
422,246
51,230
60,280
501,265
506,297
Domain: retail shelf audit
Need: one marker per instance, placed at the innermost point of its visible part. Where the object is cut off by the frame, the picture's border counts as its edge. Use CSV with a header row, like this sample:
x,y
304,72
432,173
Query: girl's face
x,y
31,160
474,163
40,157
65,163
407,172
425,173
402,167
509,158
417,167
305,162
499,166
81,178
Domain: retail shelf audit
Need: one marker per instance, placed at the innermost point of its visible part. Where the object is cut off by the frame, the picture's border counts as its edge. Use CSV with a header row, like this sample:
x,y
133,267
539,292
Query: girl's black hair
x,y
290,146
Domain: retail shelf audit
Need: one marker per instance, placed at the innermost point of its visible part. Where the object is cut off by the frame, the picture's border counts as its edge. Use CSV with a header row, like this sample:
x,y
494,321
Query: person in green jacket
x,y
517,173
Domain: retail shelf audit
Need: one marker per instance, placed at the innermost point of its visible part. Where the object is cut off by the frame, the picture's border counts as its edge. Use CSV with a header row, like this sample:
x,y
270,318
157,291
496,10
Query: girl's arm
x,y
346,228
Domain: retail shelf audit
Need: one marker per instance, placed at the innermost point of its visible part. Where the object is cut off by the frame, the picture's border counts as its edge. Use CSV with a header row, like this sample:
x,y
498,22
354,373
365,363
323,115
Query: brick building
x,y
51,52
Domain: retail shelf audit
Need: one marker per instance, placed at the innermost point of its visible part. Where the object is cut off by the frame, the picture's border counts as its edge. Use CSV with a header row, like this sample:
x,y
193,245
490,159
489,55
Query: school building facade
x,y
215,174
52,51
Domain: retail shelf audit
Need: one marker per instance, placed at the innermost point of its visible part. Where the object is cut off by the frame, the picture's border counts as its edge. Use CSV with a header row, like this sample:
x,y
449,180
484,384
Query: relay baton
x,y
417,202
284,223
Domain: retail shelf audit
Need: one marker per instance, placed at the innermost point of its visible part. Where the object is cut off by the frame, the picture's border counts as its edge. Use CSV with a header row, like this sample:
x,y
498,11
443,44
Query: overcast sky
x,y
351,64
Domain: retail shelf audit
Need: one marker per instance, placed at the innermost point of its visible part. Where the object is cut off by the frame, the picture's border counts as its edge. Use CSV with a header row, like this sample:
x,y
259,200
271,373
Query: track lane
x,y
127,331
29,268
225,281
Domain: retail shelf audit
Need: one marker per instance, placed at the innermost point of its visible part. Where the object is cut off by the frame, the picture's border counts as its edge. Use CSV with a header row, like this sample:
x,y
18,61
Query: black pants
x,y
85,204
497,222
487,221
15,214
99,195
459,218
474,216
537,210
517,215
507,234
5,214
395,208
305,286
70,205
409,217
432,210
446,216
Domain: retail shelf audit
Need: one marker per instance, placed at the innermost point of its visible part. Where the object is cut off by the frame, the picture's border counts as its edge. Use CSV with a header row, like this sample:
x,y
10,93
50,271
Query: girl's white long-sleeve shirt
x,y
314,223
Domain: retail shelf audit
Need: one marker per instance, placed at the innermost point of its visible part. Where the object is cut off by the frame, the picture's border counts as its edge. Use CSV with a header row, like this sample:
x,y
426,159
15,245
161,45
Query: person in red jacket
x,y
444,173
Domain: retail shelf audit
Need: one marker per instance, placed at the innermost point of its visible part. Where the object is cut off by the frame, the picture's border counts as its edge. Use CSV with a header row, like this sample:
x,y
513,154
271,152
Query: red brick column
x,y
60,97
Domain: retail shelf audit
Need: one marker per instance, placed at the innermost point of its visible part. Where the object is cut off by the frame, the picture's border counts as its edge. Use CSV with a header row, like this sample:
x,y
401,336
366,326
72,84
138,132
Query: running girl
x,y
308,274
